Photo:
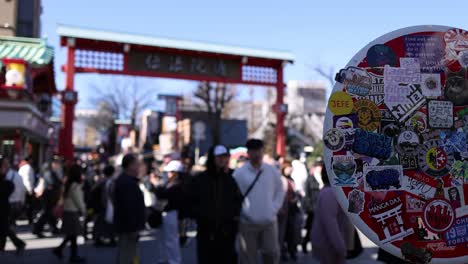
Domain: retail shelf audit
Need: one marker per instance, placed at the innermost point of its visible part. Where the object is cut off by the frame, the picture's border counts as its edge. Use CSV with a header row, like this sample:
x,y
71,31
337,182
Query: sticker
x,y
334,139
439,246
422,232
340,103
346,123
368,114
454,142
412,63
390,129
414,254
418,122
407,142
440,114
383,178
455,196
438,215
380,55
418,188
456,41
408,161
463,58
403,100
434,160
396,75
344,168
355,201
428,49
458,233
355,80
388,215
414,205
430,85
459,171
376,93
372,144
456,87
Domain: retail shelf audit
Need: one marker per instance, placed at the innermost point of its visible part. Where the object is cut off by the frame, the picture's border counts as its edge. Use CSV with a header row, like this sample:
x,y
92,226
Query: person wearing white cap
x,y
216,201
168,246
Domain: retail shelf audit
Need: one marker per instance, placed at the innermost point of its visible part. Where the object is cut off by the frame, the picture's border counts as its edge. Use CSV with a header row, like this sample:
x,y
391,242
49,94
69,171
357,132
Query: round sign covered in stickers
x,y
395,137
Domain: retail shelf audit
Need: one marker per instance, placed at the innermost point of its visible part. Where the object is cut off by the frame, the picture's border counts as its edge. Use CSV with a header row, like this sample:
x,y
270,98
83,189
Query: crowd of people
x,y
260,211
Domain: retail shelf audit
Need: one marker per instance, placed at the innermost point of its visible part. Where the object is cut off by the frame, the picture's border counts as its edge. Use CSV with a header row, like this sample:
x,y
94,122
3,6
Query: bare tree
x,y
125,98
330,75
214,98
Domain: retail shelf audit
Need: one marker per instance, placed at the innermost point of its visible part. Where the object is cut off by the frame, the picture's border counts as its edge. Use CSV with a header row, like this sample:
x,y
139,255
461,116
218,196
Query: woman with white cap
x,y
172,193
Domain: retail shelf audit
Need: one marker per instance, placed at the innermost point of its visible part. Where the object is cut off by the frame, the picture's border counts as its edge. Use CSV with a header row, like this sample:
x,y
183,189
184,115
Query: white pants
x,y
167,239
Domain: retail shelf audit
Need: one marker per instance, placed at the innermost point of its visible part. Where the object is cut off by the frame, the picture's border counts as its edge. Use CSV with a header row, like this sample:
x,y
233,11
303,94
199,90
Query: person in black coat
x,y
215,201
129,209
6,189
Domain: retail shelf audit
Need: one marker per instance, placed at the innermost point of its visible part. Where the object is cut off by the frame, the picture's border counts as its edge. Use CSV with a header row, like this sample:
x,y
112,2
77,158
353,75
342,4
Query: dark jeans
x,y
308,228
47,214
73,245
216,248
14,239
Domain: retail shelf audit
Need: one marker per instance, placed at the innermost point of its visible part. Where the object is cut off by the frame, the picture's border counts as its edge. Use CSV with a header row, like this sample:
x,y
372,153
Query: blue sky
x,y
318,33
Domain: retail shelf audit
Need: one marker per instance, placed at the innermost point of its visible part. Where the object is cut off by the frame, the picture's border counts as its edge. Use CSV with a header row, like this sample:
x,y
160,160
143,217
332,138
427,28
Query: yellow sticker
x,y
340,103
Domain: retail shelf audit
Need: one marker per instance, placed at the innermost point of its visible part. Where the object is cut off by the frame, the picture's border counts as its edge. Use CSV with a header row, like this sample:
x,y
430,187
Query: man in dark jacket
x,y
216,203
129,210
6,189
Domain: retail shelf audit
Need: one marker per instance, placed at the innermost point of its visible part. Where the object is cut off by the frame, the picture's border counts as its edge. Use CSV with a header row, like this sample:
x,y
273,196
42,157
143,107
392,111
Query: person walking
x,y
103,208
263,194
171,193
312,190
73,207
7,188
26,172
216,202
329,230
50,197
17,198
129,210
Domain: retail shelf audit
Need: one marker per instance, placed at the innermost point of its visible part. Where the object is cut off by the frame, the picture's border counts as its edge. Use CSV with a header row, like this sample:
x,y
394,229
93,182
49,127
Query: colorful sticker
x,y
355,80
414,205
417,122
455,196
383,178
438,215
458,233
340,103
434,160
347,124
344,168
418,188
368,114
376,94
459,171
440,114
380,55
334,139
388,214
372,144
430,85
456,41
355,202
407,142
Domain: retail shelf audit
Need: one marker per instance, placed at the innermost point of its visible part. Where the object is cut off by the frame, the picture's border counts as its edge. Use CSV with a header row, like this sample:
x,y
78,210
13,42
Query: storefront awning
x,y
34,51
39,57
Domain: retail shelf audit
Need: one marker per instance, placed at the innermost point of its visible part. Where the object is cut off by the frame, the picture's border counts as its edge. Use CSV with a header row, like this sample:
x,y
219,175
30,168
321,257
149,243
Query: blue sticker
x,y
372,144
458,233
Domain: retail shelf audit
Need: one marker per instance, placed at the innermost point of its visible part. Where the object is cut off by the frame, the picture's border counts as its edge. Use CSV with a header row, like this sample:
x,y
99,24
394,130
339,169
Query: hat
x,y
220,150
174,166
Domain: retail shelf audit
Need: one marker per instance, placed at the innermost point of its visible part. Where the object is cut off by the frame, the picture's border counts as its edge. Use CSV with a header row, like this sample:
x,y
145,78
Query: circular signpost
x,y
396,143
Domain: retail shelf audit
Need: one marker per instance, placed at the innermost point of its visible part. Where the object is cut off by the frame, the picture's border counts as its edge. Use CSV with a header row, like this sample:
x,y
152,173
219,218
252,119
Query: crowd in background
x,y
257,209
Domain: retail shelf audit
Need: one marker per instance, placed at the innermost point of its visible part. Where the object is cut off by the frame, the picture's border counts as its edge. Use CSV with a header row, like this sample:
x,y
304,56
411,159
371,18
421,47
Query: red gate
x,y
95,51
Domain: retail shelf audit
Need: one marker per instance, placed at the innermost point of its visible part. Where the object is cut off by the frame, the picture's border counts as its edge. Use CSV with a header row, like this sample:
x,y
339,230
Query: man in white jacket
x,y
26,172
263,192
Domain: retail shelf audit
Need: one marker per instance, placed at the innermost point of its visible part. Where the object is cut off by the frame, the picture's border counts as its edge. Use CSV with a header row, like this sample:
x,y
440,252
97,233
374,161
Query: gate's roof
x,y
117,37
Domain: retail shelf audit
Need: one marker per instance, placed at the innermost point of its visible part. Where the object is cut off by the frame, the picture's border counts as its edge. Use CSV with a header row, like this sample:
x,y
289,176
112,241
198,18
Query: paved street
x,y
39,251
